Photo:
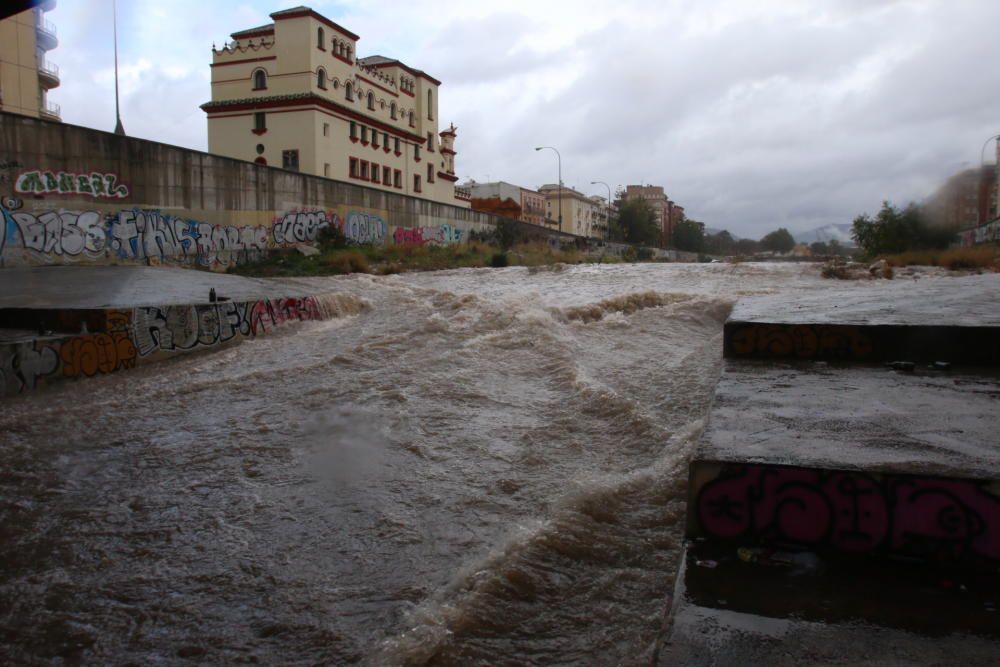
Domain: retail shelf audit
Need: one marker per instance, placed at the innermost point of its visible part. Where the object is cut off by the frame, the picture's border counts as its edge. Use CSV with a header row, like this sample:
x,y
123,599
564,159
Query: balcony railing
x,y
46,31
48,68
52,109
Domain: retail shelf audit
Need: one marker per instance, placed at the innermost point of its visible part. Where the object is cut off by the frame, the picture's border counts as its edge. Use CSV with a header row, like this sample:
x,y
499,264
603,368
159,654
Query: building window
x,y
290,160
364,135
260,80
397,178
416,153
385,141
387,175
364,170
430,105
411,118
392,111
326,169
375,173
354,131
416,182
349,91
396,145
354,168
430,172
430,141
374,139
326,129
321,39
371,100
321,78
260,121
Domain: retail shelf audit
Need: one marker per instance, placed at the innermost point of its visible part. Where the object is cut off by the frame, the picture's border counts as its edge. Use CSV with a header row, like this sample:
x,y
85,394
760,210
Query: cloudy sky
x,y
753,114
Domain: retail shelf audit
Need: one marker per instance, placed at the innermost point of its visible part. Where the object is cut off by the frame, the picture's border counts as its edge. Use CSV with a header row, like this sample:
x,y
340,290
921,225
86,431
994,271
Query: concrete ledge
x,y
119,339
849,342
945,521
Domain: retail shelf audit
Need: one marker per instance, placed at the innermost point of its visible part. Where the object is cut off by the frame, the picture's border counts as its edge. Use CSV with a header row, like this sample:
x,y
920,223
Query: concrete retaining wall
x,y
921,517
119,339
70,194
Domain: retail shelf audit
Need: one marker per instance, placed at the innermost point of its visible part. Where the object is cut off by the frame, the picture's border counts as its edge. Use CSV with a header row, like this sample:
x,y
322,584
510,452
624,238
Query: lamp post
x,y
607,226
984,193
538,148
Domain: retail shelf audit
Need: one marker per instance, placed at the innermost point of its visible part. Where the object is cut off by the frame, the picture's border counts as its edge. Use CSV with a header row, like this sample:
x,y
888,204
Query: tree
x,y
819,248
637,222
747,247
893,231
689,235
780,240
722,243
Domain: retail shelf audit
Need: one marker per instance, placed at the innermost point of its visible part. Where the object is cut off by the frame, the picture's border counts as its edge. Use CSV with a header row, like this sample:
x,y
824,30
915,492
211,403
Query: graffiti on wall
x,y
94,184
988,233
441,235
303,226
61,235
365,228
133,335
852,512
805,341
6,166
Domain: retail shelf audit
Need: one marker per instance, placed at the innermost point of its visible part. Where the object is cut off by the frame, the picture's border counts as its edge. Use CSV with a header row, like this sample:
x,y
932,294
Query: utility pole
x,y
119,128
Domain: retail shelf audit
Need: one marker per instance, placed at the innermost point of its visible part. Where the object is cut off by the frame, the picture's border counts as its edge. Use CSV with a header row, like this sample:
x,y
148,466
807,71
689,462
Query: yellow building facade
x,y
26,74
581,215
293,94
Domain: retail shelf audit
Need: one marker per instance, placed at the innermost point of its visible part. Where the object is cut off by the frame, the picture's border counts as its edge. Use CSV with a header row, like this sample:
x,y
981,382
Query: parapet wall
x,y
70,194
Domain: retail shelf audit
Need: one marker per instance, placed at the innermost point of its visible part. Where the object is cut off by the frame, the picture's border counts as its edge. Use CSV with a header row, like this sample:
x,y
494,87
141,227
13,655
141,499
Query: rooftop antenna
x,y
119,128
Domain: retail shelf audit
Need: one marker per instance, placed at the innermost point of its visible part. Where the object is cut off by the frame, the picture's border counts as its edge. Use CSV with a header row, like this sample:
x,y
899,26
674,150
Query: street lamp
x,y
538,148
607,226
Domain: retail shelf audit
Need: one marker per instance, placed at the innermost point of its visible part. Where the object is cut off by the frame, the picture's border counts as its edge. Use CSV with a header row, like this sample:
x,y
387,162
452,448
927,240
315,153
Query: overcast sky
x,y
753,114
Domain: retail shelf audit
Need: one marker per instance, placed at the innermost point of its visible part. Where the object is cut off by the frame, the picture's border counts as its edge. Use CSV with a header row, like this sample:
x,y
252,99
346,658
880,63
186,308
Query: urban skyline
x,y
816,119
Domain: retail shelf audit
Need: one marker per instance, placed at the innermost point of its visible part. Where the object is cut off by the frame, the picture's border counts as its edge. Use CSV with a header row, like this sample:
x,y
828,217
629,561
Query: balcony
x,y
48,74
45,31
51,111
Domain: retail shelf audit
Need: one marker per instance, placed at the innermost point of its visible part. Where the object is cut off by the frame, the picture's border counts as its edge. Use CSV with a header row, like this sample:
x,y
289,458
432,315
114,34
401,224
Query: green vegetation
x,y
336,258
636,223
689,235
894,231
780,240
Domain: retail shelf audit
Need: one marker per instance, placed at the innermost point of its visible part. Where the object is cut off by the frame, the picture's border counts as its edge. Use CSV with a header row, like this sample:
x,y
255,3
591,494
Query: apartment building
x,y
581,215
26,73
294,94
525,204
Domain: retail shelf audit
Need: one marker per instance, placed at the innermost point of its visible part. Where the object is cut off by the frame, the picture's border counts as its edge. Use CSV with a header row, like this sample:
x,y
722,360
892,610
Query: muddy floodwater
x,y
465,467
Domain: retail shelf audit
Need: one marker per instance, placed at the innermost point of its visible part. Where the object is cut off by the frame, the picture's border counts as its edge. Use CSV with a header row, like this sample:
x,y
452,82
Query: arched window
x,y
321,78
320,38
371,100
392,111
259,80
430,105
349,91
411,117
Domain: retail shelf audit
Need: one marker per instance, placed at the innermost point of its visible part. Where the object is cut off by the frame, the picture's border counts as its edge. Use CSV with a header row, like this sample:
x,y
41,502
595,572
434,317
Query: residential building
x,y
661,206
967,199
509,200
294,94
26,73
581,215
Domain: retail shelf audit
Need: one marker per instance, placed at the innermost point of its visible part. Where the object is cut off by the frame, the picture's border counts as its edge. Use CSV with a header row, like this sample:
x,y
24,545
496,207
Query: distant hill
x,y
839,231
713,231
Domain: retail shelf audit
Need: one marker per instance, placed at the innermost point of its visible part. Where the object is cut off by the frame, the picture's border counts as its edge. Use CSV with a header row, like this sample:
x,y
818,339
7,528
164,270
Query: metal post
x,y
607,228
559,200
119,128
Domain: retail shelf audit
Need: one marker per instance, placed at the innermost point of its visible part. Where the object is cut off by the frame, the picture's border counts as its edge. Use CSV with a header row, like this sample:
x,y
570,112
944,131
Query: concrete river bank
x,y
479,467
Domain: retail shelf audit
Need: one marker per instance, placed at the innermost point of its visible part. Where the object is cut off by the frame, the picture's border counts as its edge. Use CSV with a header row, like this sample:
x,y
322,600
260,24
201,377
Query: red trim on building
x,y
245,60
448,177
447,151
261,160
216,108
414,72
260,131
391,92
343,59
288,14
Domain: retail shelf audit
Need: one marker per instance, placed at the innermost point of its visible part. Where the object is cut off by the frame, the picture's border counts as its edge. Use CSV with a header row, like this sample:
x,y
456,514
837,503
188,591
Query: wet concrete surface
x,y
849,417
126,286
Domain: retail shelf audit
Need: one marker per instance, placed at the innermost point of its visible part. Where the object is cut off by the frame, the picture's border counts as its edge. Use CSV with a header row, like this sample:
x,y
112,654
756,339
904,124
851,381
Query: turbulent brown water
x,y
478,467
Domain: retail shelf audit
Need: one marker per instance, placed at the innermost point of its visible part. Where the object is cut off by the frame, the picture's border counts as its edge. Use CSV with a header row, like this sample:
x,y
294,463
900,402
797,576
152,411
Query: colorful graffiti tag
x,y
138,235
988,233
852,512
441,235
137,334
94,184
303,226
807,341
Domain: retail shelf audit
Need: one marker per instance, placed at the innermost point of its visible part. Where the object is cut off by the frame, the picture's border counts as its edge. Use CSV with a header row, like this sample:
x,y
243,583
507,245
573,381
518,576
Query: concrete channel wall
x,y
118,339
70,194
